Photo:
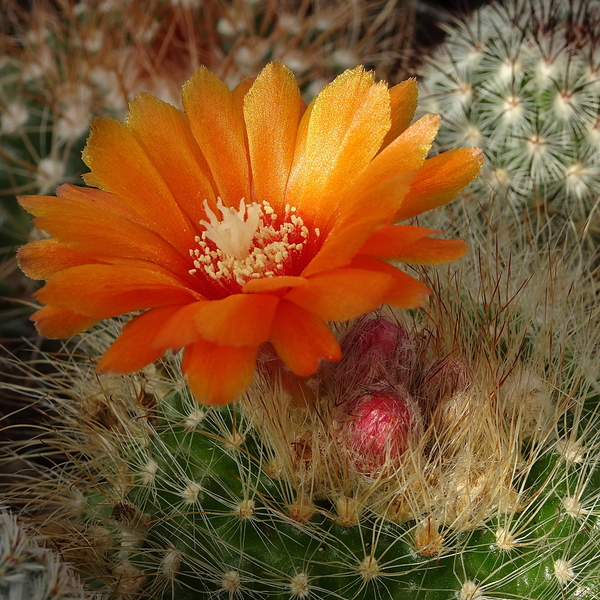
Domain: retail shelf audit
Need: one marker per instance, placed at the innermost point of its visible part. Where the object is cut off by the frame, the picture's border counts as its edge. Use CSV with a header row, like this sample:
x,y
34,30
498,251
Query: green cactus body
x,y
205,518
522,81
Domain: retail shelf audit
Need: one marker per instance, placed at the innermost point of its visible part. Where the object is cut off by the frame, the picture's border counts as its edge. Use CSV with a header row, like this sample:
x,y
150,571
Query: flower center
x,y
249,243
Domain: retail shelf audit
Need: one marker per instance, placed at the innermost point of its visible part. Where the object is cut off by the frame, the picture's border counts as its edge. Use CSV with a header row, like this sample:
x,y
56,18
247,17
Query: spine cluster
x,y
522,81
30,571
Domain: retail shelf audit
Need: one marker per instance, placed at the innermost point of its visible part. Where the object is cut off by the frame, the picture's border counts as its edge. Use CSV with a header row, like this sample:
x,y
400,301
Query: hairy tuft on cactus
x,y
521,80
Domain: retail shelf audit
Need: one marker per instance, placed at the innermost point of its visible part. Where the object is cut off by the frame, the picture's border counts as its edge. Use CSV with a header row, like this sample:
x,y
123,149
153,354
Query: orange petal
x,y
42,258
431,251
390,241
272,284
238,320
179,330
301,339
406,292
104,291
120,166
134,349
301,136
403,100
164,134
56,323
368,213
342,294
89,196
348,122
439,181
241,89
369,199
239,92
218,374
272,111
406,153
217,123
98,232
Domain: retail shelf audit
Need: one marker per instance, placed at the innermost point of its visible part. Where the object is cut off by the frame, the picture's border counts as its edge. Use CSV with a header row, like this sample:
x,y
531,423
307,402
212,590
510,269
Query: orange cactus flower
x,y
247,218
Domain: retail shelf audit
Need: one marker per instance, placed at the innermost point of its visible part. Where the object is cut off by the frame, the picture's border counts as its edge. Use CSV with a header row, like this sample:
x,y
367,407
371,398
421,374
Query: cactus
x,y
30,571
522,80
452,453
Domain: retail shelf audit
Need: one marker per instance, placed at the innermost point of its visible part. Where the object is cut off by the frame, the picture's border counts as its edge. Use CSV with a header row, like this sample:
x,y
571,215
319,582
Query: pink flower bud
x,y
378,427
381,336
377,350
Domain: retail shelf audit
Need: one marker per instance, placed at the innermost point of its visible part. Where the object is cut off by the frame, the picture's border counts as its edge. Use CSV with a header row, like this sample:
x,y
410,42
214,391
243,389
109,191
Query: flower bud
x,y
377,350
378,427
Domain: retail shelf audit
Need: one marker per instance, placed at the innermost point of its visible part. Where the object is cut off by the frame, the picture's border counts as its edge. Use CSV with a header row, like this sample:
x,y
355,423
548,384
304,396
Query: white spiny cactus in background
x,y
522,80
28,571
